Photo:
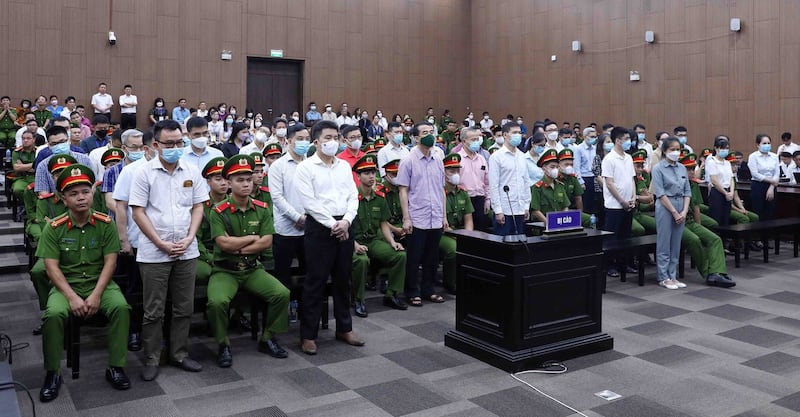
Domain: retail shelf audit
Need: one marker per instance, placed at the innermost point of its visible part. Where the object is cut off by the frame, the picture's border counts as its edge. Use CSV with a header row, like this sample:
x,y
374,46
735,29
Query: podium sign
x,y
563,221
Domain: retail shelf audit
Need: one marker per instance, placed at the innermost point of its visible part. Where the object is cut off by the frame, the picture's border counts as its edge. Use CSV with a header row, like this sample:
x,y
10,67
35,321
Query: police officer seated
x,y
242,229
80,249
548,194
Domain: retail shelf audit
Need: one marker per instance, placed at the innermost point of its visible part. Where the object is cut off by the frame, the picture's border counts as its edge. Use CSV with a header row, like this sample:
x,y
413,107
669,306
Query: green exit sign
x,y
276,53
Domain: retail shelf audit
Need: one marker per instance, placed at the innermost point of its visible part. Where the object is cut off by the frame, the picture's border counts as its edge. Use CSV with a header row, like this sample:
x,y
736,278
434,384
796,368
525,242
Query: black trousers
x,y
422,248
589,196
619,221
332,258
127,121
131,288
718,207
480,220
284,250
758,199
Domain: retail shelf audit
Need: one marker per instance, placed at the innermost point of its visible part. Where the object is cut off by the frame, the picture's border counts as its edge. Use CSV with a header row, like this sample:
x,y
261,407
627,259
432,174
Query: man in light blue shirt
x,y
584,159
59,144
199,153
180,113
312,116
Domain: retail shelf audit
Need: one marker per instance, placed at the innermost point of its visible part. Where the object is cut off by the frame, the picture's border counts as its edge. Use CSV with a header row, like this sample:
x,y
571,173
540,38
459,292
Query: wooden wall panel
x,y
697,73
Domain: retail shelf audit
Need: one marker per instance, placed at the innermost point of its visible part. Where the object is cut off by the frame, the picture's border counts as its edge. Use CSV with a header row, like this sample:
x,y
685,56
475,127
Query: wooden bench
x,y
763,230
638,246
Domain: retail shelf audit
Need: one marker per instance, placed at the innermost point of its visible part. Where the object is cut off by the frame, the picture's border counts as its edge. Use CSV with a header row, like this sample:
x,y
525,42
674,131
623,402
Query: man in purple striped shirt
x,y
421,181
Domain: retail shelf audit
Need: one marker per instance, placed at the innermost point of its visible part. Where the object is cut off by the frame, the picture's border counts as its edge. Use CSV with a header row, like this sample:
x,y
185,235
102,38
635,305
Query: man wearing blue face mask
x,y
58,145
167,196
642,143
394,149
584,157
683,138
509,184
619,191
475,175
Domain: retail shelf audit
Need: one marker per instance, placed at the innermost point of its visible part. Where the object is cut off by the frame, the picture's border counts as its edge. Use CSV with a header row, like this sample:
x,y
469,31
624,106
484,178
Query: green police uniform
x,y
81,254
448,139
42,116
548,197
49,207
457,205
703,245
205,244
232,270
373,210
644,221
573,186
23,179
261,193
742,218
7,128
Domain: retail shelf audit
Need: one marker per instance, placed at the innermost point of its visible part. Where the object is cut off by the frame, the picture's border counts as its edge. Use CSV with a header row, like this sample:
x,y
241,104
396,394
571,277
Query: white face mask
x,y
454,179
355,144
673,155
485,117
330,147
569,170
552,135
261,137
499,140
280,132
553,173
200,143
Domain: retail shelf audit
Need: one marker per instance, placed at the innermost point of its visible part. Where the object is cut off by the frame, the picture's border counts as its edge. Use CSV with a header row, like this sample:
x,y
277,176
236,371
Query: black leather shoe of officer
x,y
360,308
37,331
224,356
117,378
371,286
395,302
50,387
272,348
135,342
717,280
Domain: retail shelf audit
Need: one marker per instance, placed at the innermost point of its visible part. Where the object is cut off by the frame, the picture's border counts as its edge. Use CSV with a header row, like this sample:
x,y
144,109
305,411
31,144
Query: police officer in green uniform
x,y
703,245
260,192
242,228
392,194
374,240
739,214
449,135
49,205
8,117
111,157
459,209
644,221
218,186
22,160
548,194
573,187
80,249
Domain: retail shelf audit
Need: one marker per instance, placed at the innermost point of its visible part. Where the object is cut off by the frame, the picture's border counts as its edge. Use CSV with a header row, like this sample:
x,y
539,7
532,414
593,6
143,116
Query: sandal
x,y
415,302
436,298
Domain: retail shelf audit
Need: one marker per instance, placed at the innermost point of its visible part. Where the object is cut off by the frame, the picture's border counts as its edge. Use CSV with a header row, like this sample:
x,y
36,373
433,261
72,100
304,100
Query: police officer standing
x,y
459,210
80,249
242,229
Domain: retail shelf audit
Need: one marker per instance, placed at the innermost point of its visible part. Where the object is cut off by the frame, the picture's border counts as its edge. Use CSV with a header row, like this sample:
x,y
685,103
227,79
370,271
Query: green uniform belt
x,y
244,264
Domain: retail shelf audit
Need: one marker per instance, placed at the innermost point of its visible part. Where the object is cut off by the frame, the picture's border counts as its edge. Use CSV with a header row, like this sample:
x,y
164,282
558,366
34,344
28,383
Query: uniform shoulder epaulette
x,y
259,203
18,149
380,193
539,184
381,188
58,221
98,183
31,186
696,180
105,218
219,208
461,188
263,188
45,196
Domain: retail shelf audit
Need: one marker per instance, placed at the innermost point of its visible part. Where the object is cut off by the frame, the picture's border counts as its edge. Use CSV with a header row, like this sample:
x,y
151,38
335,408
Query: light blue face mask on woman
x,y
766,148
723,153
608,146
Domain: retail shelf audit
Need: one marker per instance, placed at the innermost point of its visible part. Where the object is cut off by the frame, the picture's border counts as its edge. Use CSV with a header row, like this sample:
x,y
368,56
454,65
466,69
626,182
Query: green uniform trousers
x,y
386,257
222,287
447,251
707,221
586,220
203,272
19,187
41,283
739,218
112,305
643,224
705,247
34,231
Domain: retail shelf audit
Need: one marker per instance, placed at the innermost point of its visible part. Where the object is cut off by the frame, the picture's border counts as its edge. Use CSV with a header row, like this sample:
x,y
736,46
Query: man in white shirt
x,y
279,129
551,132
619,191
486,123
167,197
198,153
127,108
787,145
287,207
344,117
330,200
642,143
509,184
69,107
257,145
394,149
32,126
683,137
102,102
329,114
202,109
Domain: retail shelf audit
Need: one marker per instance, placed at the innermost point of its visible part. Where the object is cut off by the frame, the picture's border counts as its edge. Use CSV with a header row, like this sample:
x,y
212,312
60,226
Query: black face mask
x,y
101,133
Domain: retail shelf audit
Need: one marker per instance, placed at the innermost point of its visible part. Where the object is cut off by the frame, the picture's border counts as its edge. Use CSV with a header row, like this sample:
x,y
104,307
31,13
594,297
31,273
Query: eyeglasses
x,y
170,145
133,148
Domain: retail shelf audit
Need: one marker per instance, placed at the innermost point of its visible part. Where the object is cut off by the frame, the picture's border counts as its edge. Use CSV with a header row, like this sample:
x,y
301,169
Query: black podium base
x,y
521,360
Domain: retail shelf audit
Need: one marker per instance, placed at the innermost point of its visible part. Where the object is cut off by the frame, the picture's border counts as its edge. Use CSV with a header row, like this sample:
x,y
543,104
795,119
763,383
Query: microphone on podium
x,y
516,237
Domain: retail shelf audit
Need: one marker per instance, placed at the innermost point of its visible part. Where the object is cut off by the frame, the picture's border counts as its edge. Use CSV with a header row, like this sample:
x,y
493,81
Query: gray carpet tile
x,y
433,331
656,328
594,359
263,412
617,298
673,356
733,312
785,297
520,401
716,294
758,336
657,310
636,406
313,381
329,350
366,371
91,389
426,359
792,402
401,397
778,363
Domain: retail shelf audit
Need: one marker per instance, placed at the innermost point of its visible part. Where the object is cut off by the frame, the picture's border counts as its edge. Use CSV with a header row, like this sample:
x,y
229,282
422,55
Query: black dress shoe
x,y
371,286
244,323
272,348
360,308
383,286
395,302
37,330
117,378
717,280
224,356
135,342
50,387
187,364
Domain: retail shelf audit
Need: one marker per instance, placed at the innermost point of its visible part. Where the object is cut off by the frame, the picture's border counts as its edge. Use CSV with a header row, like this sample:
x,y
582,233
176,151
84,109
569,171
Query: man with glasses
x,y
58,146
167,198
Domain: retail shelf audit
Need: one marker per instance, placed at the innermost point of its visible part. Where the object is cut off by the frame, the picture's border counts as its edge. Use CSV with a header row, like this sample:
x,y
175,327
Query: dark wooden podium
x,y
522,304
